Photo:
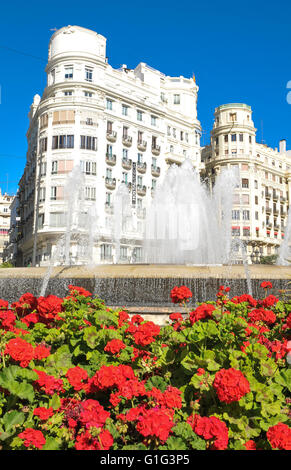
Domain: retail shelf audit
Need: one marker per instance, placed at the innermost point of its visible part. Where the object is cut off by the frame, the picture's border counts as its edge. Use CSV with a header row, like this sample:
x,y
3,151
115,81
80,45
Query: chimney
x,y
282,146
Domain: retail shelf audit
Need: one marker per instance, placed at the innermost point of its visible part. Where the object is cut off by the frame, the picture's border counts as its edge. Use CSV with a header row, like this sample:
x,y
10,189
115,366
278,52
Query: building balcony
x,y
283,199
141,167
276,211
156,171
110,183
277,227
283,213
127,184
89,122
268,210
110,159
156,149
268,195
108,208
269,225
126,163
141,212
111,136
142,145
174,158
127,140
275,196
141,190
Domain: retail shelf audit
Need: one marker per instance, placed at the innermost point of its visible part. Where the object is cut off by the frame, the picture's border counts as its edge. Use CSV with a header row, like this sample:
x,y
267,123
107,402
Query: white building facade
x,y
261,200
117,125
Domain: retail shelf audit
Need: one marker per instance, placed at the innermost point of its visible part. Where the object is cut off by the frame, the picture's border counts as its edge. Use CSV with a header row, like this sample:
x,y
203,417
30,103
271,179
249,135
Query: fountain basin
x,y
143,288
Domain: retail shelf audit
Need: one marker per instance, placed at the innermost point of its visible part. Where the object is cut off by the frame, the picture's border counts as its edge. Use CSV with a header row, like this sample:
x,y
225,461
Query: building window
x,y
246,215
226,138
54,167
88,142
235,214
43,169
88,74
88,167
233,117
123,253
124,177
109,104
43,144
233,137
42,194
245,199
139,115
90,193
40,221
106,251
245,183
241,137
88,94
256,200
69,72
125,132
63,142
250,139
235,231
153,120
124,110
176,99
168,130
53,193
68,93
246,231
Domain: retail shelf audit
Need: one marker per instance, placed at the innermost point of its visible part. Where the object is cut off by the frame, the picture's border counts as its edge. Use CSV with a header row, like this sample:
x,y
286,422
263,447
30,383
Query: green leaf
x,y
183,430
55,402
52,443
284,378
91,336
157,382
12,418
61,359
268,367
176,443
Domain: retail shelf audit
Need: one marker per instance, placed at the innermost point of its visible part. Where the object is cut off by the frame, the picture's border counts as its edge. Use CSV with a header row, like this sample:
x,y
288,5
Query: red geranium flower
x,y
41,352
230,385
114,346
48,383
32,437
76,377
86,441
279,436
212,429
20,350
180,294
154,423
266,285
201,312
49,307
43,413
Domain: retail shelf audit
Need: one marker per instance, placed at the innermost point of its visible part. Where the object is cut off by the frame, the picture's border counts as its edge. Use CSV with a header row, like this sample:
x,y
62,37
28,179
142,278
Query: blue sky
x,y
238,51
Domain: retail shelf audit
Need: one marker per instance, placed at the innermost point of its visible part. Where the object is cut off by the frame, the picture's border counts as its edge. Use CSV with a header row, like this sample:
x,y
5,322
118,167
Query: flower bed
x,y
75,374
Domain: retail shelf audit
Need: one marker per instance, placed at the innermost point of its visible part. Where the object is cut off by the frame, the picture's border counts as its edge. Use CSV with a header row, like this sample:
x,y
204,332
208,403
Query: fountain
x,y
187,225
187,240
284,258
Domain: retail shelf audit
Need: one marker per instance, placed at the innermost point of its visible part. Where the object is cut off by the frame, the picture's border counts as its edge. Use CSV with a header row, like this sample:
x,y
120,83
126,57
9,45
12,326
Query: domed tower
x,y
71,49
233,132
